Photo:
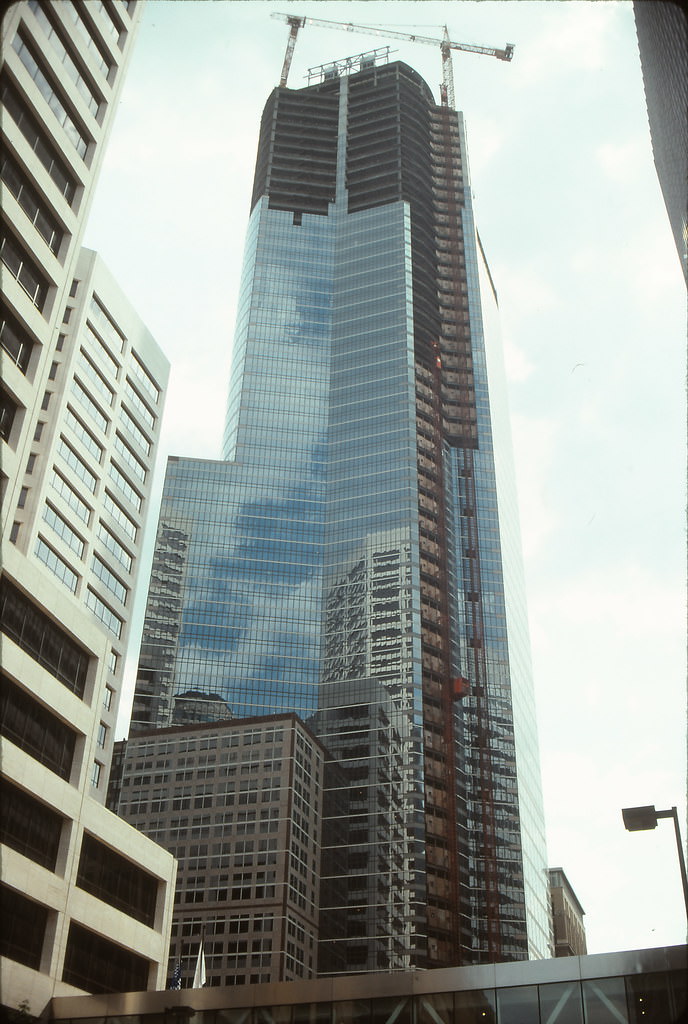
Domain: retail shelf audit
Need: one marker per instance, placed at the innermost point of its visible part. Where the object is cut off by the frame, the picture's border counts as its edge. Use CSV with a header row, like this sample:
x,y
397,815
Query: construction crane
x,y
446,45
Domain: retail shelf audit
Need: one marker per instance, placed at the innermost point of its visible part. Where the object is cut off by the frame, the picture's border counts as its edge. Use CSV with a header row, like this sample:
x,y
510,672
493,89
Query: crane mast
x,y
295,23
445,44
447,88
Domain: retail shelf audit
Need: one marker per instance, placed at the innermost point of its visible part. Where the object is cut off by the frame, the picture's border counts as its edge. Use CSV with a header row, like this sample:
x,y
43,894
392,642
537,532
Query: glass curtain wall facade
x,y
347,560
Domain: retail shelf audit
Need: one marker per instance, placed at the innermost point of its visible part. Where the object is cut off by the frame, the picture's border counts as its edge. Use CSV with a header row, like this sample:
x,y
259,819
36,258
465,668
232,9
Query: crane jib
x,y
445,45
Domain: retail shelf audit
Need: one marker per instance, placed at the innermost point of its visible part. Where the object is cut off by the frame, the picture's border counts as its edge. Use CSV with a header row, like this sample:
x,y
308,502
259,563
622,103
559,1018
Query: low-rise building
x,y
608,988
239,804
567,916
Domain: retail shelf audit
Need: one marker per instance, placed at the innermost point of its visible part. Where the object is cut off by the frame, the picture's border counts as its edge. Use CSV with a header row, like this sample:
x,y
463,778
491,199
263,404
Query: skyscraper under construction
x,y
355,555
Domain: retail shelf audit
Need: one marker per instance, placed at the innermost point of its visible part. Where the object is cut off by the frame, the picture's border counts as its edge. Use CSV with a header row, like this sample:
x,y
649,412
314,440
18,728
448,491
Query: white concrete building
x,y
82,505
86,900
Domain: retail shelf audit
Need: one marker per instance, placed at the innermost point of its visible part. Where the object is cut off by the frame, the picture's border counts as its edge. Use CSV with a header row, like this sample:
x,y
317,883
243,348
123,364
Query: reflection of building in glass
x,y
368,636
567,916
355,558
86,900
662,30
154,682
239,804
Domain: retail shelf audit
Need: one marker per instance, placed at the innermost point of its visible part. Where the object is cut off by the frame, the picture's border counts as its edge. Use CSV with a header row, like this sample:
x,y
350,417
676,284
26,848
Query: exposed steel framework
x,y
457,389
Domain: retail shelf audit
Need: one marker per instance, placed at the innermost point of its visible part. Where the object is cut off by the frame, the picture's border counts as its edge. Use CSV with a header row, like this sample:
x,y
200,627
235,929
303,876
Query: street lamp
x,y
637,819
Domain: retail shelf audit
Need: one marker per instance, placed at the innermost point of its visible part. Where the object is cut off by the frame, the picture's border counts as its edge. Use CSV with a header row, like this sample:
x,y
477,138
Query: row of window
x,y
115,548
77,427
138,404
65,117
78,467
116,880
98,381
59,484
120,516
33,829
8,411
63,530
15,342
42,638
124,487
103,351
145,379
110,23
109,579
105,325
31,203
242,823
24,270
82,510
84,88
233,738
28,826
46,152
64,572
92,44
232,924
103,612
95,964
107,394
34,729
120,444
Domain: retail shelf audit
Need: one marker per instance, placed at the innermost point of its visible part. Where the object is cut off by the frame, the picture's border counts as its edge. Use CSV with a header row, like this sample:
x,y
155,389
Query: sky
x,y
593,306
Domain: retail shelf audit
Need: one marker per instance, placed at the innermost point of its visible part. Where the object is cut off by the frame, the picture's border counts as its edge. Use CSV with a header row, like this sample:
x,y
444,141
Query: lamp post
x,y
637,819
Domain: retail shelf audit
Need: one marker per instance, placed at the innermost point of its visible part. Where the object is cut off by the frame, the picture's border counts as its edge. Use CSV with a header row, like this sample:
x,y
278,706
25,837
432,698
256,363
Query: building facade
x,y
662,30
239,804
567,916
86,900
355,556
83,502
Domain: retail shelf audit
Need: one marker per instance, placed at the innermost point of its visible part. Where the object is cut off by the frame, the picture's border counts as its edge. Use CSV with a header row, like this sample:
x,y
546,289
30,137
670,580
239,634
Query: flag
x,y
176,981
199,973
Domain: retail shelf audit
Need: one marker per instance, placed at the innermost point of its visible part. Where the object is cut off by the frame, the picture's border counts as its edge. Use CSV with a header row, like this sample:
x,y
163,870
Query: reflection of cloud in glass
x,y
251,615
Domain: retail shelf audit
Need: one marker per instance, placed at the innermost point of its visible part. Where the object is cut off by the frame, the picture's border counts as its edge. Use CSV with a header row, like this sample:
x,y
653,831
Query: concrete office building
x,y
239,804
79,426
355,556
662,30
567,916
82,506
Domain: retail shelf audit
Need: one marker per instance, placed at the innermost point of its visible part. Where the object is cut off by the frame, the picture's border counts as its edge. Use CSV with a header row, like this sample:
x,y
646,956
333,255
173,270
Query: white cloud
x,y
577,40
611,603
518,366
535,442
642,260
486,141
622,161
525,290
